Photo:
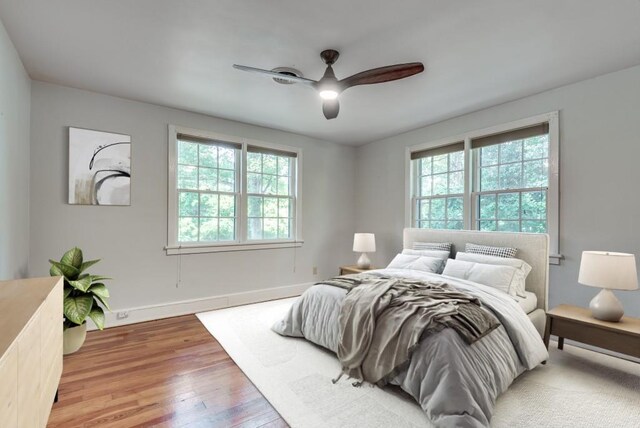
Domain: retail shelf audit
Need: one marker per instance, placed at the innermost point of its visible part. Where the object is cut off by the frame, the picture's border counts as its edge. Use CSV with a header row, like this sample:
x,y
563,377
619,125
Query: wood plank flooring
x,y
165,373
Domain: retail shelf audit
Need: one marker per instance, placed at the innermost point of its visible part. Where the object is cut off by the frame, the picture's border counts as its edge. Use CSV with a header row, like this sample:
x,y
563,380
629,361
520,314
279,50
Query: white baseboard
x,y
186,307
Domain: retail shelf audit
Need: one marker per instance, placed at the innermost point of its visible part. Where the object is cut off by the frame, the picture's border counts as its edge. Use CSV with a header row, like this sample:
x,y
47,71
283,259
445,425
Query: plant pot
x,y
73,338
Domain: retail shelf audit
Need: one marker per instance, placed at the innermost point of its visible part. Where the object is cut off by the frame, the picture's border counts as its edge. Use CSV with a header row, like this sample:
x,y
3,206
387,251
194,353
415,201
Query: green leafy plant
x,y
83,293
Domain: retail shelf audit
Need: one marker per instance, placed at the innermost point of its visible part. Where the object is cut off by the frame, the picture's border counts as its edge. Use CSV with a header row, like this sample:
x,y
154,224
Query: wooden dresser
x,y
30,350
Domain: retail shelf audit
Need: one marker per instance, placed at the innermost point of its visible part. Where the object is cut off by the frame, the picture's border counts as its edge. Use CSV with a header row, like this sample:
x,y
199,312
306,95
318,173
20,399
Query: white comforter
x,y
456,384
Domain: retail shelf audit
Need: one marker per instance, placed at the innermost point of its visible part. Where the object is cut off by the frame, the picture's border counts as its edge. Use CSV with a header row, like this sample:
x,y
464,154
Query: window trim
x,y
553,193
240,243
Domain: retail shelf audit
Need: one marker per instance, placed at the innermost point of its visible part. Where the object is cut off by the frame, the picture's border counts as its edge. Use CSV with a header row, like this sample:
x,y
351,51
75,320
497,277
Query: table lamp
x,y
364,243
608,271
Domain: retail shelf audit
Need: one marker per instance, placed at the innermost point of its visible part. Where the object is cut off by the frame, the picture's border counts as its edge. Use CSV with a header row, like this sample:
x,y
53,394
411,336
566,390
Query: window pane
x,y
254,162
536,173
226,158
510,176
270,207
226,231
227,207
188,229
487,225
283,186
188,204
438,224
508,206
255,206
456,183
423,209
270,228
208,205
454,225
187,177
269,164
489,155
534,205
488,206
534,226
440,184
208,156
255,228
489,178
456,161
208,179
425,166
511,151
438,209
283,208
283,166
454,209
425,186
536,147
283,228
440,164
269,184
208,229
187,153
227,181
424,224
508,226
254,183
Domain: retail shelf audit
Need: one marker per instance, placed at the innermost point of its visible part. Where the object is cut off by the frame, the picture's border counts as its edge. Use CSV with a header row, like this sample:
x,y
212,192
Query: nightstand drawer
x,y
612,340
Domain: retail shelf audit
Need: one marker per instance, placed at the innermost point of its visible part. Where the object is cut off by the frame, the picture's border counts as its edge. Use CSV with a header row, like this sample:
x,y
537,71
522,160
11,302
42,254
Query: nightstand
x,y
346,270
575,323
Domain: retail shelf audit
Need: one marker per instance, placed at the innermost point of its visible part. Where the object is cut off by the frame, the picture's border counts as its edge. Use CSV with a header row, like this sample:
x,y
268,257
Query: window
x,y
229,194
501,179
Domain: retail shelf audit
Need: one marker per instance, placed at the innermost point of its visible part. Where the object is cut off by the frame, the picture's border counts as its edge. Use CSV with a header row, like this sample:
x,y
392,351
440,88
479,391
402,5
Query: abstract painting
x,y
99,168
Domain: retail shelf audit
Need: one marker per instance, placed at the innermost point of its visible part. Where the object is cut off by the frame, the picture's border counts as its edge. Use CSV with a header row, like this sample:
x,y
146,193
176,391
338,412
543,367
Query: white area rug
x,y
577,388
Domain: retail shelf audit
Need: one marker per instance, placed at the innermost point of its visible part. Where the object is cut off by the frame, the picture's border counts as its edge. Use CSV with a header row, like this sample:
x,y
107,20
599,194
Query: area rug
x,y
577,387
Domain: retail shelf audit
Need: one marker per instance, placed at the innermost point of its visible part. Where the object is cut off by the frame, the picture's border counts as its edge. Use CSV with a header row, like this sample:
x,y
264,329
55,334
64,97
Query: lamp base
x,y
364,262
606,306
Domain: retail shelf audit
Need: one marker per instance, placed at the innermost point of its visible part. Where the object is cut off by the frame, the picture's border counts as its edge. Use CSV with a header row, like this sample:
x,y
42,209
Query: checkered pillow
x,y
505,252
441,246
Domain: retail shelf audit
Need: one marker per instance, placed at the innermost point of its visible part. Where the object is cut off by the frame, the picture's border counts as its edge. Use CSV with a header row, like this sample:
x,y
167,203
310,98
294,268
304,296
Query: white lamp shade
x,y
364,243
608,270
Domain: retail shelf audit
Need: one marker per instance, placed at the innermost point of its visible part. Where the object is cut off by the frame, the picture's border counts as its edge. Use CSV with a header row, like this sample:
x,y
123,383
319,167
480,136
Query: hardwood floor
x,y
166,373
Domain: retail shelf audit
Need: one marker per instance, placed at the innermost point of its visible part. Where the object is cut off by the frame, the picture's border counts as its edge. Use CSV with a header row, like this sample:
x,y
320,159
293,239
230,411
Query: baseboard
x,y
186,307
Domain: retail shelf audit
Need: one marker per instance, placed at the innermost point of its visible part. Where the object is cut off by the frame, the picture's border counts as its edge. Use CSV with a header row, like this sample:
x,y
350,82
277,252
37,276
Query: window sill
x,y
224,248
554,259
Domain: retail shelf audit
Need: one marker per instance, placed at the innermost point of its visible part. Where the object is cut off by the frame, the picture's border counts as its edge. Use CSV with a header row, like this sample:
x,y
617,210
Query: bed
x,y
454,382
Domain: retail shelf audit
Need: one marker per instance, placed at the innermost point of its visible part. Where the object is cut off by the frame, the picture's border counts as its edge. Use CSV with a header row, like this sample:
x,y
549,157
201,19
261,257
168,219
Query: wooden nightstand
x,y
346,270
575,323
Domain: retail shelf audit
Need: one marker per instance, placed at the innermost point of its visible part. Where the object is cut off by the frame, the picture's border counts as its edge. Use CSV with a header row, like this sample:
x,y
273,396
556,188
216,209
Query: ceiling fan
x,y
329,87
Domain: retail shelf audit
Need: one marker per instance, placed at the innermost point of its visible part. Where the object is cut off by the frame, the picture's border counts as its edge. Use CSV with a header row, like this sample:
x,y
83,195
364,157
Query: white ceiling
x,y
180,53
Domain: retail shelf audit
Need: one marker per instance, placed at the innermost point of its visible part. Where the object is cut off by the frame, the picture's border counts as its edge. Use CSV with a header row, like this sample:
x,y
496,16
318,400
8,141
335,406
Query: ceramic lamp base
x,y
364,262
606,306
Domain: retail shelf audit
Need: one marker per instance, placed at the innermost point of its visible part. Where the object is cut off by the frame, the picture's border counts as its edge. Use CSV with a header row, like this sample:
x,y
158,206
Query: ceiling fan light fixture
x,y
328,94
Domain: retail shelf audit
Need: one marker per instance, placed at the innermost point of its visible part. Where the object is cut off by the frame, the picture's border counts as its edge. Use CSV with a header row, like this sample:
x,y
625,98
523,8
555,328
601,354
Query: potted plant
x,y
83,295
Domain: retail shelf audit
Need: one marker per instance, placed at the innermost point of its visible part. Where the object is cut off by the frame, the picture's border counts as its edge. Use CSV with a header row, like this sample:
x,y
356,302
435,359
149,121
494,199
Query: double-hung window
x,y
503,178
230,194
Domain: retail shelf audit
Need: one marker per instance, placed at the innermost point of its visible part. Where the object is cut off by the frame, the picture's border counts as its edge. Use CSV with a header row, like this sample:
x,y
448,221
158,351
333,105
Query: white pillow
x,y
438,254
496,276
519,279
421,263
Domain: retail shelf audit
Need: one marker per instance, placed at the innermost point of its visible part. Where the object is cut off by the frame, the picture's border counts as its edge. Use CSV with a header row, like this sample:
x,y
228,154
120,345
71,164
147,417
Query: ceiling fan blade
x,y
276,75
383,74
330,108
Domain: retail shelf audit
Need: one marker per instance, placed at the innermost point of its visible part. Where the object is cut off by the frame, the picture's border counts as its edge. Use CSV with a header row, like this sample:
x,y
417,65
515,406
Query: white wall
x,y
130,240
15,99
599,175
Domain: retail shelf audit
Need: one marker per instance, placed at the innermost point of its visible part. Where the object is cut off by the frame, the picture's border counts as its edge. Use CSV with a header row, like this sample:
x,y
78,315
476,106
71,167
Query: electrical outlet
x,y
315,270
122,315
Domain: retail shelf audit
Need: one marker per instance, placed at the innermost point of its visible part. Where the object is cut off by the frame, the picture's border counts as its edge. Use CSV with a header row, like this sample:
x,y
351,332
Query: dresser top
x,y
19,300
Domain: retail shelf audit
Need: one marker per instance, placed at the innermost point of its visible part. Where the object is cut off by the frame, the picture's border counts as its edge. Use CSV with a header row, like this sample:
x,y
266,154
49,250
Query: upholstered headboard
x,y
533,248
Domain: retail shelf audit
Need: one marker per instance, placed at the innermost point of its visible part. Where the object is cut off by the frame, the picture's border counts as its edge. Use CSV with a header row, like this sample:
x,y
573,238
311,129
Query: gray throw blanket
x,y
383,319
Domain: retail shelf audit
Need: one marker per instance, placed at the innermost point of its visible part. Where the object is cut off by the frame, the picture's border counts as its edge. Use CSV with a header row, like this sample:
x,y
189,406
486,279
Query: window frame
x,y
241,243
470,172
